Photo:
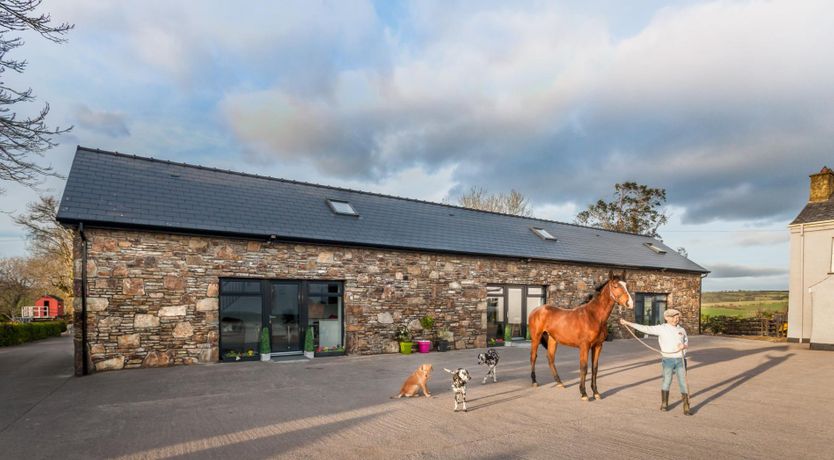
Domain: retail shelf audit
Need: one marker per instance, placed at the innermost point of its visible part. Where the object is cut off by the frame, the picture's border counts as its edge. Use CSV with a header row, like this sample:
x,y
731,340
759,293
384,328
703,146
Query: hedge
x,y
18,333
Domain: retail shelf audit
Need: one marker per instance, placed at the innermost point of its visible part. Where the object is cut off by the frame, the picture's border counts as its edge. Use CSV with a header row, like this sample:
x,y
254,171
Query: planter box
x,y
309,354
266,357
442,345
322,354
405,348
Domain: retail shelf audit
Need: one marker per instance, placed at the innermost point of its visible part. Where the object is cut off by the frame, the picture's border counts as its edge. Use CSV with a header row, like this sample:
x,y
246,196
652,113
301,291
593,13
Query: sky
x,y
727,105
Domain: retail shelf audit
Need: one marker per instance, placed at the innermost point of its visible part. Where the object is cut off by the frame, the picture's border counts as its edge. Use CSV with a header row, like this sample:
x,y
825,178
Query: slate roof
x,y
816,212
117,190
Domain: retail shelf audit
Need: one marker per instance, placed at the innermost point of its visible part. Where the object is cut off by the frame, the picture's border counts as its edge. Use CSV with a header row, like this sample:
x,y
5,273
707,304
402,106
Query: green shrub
x,y
265,346
18,333
309,344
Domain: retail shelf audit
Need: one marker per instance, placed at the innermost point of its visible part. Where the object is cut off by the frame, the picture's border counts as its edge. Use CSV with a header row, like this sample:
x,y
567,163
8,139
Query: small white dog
x,y
490,358
459,379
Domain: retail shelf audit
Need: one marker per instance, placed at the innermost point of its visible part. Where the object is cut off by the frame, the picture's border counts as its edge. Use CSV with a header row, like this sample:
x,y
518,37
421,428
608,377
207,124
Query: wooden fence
x,y
771,327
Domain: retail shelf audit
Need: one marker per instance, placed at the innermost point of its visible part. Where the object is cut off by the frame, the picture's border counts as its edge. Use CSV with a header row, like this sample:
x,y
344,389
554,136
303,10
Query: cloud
x,y
727,105
108,123
743,271
762,239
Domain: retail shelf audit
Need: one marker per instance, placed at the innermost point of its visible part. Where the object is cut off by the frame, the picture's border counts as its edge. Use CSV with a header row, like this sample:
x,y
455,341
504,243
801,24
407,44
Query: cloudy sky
x,y
727,105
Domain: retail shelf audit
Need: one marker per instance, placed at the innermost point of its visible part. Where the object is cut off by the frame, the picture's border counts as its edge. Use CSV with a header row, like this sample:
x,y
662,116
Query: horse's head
x,y
619,291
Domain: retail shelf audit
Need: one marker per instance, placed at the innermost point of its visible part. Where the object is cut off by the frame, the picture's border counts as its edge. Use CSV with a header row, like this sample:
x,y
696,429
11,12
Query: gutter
x,y
84,353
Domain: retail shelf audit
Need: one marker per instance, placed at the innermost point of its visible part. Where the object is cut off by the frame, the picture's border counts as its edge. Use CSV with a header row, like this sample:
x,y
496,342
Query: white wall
x,y
822,301
816,259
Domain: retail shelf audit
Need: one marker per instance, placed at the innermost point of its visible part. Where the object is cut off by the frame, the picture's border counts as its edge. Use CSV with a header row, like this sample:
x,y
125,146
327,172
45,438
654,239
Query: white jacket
x,y
668,337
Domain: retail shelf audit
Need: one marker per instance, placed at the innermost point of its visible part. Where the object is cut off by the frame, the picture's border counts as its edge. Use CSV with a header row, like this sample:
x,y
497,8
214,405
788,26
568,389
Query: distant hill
x,y
743,303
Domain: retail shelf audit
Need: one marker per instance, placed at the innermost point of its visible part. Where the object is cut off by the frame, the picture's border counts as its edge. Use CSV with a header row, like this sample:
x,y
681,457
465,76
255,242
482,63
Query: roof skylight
x,y
655,248
342,207
542,233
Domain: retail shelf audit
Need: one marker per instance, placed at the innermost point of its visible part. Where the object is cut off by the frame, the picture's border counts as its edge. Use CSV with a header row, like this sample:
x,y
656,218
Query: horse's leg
x,y
595,352
551,360
583,370
535,339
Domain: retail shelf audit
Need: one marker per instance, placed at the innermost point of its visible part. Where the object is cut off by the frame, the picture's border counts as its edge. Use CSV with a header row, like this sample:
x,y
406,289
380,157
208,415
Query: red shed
x,y
48,306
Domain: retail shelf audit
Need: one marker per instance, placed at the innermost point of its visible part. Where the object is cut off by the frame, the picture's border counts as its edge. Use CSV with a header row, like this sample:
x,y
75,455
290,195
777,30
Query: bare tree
x,y
636,208
16,286
509,203
49,241
21,138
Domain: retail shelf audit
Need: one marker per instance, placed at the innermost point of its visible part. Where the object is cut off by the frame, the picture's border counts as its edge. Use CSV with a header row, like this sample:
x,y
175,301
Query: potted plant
x,y
309,345
403,335
445,338
508,335
495,342
427,322
264,345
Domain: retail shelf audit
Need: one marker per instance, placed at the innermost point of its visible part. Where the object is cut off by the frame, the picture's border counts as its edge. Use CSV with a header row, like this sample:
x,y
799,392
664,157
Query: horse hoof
x,y
560,385
597,396
535,384
584,398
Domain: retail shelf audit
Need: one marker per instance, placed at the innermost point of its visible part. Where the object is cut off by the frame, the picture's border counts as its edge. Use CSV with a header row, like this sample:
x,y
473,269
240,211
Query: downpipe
x,y
84,353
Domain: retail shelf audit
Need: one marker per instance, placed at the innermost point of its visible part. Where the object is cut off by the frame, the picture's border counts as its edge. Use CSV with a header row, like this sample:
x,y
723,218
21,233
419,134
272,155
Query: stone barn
x,y
183,264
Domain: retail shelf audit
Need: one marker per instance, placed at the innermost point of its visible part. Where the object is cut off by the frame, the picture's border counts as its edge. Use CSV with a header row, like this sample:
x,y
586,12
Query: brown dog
x,y
415,382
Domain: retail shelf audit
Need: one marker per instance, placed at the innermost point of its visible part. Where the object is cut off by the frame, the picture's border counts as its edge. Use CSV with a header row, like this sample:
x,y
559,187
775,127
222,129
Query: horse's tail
x,y
543,340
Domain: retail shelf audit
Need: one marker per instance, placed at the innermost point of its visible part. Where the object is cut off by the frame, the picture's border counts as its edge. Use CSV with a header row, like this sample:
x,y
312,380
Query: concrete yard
x,y
751,399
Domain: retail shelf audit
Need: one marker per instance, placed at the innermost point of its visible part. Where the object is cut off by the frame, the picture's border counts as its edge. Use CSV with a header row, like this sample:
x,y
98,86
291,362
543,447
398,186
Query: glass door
x,y
285,317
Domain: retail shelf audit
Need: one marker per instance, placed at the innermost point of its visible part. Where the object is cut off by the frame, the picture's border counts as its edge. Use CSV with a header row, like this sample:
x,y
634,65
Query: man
x,y
673,341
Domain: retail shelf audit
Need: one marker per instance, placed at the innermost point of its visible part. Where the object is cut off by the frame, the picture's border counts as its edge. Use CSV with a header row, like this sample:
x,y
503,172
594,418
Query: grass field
x,y
743,304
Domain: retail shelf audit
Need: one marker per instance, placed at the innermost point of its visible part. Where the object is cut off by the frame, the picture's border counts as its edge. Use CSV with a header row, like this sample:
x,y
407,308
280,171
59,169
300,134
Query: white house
x,y
811,297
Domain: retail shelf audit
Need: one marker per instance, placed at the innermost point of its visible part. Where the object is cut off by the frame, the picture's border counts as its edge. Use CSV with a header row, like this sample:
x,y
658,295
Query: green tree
x,y
17,285
23,137
50,241
635,208
507,203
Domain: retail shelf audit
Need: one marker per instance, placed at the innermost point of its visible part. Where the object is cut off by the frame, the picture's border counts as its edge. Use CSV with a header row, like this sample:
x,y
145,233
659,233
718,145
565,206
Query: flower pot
x,y
309,354
266,357
424,346
405,348
442,345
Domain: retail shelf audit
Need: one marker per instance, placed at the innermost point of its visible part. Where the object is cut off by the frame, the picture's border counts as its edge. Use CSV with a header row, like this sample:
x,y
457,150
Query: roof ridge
x,y
344,189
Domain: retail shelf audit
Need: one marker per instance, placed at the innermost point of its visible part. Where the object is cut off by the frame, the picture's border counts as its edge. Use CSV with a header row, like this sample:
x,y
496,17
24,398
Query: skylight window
x,y
342,207
542,233
655,248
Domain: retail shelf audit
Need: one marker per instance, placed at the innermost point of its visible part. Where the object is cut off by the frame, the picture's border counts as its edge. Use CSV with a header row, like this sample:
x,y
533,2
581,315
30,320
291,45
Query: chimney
x,y
822,185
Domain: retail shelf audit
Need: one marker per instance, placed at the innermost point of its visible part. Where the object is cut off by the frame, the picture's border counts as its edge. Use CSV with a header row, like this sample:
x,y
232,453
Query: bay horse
x,y
583,327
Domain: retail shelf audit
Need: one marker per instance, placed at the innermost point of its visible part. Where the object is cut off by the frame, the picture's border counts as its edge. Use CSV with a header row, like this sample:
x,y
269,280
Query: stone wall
x,y
153,297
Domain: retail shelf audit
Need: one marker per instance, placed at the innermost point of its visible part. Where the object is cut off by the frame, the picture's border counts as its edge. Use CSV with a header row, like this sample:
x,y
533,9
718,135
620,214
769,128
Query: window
x,y
342,207
508,307
649,308
287,309
542,233
655,248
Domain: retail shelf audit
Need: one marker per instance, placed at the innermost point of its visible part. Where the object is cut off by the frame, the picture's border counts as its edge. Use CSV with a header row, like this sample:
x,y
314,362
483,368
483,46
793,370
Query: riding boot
x,y
664,400
685,398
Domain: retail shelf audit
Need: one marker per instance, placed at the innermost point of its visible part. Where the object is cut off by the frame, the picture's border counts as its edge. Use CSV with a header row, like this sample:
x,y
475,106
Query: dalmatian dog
x,y
459,379
490,358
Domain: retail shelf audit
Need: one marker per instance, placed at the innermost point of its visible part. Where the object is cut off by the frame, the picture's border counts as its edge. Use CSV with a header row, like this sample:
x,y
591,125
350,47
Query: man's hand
x,y
623,321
